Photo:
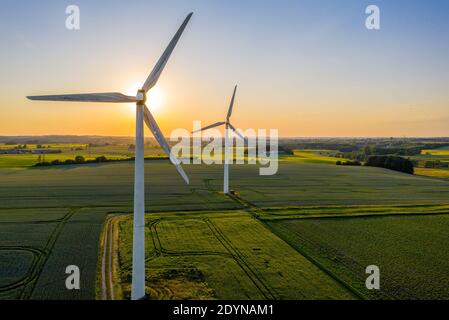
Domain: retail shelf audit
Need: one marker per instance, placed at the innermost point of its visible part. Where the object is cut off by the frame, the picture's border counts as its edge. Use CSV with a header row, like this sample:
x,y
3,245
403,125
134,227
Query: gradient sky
x,y
307,68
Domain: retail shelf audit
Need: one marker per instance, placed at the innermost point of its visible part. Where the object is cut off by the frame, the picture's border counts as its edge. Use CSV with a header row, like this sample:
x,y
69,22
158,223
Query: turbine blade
x,y
152,125
216,124
159,67
231,105
237,132
113,97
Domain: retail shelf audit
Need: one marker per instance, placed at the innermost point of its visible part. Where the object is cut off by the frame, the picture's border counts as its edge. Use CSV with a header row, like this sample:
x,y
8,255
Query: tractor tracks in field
x,y
39,265
232,252
26,279
27,284
257,212
239,258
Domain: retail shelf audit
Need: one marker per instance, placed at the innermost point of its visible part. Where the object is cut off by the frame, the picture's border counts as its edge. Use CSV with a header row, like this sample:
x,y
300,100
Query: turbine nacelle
x,y
141,97
227,122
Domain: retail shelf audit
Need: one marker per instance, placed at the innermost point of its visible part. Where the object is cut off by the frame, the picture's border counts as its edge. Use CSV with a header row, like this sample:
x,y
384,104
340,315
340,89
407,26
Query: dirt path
x,y
107,284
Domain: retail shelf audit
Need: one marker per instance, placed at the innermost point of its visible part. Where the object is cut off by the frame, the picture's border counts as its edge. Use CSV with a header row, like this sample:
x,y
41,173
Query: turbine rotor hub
x,y
141,97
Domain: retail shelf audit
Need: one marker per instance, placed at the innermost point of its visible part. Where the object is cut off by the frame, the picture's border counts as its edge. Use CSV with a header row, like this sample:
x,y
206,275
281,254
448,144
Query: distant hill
x,y
100,140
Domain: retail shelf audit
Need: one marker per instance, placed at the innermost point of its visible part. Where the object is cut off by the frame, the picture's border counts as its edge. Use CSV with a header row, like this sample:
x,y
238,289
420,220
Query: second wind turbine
x,y
226,148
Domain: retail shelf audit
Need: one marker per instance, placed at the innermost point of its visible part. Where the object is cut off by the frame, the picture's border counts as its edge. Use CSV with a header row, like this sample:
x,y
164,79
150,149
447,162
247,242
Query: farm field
x,y
54,216
411,251
313,156
109,184
223,256
306,184
37,244
432,163
68,151
432,172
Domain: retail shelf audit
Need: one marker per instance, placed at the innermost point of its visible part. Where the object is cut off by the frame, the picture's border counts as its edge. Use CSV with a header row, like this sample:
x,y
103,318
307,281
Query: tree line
x,y
82,160
395,163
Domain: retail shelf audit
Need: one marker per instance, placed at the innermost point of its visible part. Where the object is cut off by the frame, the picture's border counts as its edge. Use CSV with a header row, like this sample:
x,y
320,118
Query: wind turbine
x,y
142,114
228,125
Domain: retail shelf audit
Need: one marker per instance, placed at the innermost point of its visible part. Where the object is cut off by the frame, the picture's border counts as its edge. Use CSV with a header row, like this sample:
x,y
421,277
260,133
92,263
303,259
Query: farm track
x,y
107,262
28,282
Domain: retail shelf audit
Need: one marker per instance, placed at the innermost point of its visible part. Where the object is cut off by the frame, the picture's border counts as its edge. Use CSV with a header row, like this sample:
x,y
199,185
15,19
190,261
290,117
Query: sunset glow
x,y
332,78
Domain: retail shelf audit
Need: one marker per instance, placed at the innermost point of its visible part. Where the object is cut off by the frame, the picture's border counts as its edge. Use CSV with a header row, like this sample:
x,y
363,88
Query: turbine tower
x,y
228,126
143,114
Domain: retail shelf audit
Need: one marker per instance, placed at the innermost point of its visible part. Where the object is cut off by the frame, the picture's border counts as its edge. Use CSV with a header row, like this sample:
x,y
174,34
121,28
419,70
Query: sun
x,y
155,97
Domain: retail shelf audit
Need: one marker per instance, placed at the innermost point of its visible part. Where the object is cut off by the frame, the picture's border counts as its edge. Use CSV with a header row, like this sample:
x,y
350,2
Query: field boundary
x,y
255,211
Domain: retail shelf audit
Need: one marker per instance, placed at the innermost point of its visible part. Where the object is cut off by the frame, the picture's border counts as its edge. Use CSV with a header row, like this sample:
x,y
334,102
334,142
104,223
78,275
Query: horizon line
x,y
281,137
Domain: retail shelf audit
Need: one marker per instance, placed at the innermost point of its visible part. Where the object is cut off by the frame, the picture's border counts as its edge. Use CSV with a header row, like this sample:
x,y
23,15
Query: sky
x,y
307,68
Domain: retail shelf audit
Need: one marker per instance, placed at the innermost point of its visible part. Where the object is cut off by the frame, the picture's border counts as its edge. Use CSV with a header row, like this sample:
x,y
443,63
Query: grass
x,y
55,215
441,155
312,156
76,244
436,152
207,245
223,256
70,151
306,184
15,265
109,185
307,212
411,252
431,172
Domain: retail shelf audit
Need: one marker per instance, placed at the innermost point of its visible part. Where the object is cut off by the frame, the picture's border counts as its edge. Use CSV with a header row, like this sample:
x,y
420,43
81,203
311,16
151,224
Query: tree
x,y
369,150
79,159
101,159
391,162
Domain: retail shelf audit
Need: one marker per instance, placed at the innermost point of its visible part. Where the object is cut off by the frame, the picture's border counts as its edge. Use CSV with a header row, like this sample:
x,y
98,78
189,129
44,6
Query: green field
x,y
411,251
202,244
224,256
70,151
431,172
313,156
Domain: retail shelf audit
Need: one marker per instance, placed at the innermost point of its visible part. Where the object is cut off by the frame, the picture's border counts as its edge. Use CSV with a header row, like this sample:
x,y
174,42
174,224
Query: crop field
x,y
313,156
433,163
432,172
109,185
68,151
433,154
202,244
437,152
223,256
305,184
36,245
411,251
52,217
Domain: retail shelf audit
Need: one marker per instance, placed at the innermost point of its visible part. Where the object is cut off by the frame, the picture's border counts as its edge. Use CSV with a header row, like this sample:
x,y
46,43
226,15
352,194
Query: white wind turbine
x,y
228,125
142,114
